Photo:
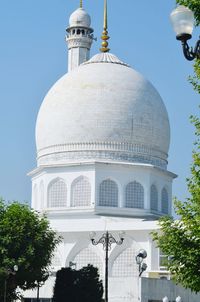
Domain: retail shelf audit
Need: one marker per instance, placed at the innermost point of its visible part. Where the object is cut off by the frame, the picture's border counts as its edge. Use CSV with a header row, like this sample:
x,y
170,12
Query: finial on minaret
x,y
81,3
105,36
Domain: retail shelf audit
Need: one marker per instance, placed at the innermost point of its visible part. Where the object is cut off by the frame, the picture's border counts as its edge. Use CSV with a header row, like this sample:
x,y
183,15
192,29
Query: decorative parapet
x,y
77,41
114,151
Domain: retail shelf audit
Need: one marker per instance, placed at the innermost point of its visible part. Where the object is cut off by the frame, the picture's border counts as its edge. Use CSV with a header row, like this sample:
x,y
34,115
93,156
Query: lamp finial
x,y
81,3
105,36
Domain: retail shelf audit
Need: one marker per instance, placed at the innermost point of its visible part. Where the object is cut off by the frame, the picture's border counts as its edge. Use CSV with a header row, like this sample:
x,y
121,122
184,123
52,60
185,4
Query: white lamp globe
x,y
182,19
165,299
15,268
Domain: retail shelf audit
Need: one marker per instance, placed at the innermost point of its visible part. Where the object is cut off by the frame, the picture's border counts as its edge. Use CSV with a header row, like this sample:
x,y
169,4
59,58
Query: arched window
x,y
78,32
73,31
35,196
88,256
134,195
81,192
57,194
41,194
124,265
154,198
108,193
83,32
165,201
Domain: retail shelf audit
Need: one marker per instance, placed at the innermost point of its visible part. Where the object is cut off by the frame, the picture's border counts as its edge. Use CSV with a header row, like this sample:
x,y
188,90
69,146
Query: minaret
x,y
79,37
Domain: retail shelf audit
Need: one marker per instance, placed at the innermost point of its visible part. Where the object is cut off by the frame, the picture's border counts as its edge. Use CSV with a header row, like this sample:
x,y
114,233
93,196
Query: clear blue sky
x,y
33,55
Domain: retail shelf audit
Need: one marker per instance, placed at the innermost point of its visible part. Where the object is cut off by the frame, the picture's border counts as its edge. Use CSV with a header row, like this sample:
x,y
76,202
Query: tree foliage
x,y
195,80
26,240
78,285
180,239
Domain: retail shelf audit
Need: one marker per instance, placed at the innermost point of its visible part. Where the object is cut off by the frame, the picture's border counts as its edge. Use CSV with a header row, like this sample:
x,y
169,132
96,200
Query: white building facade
x,y
102,137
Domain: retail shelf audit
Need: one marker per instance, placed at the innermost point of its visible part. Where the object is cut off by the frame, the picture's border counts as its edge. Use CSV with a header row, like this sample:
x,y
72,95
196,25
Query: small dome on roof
x,y
80,18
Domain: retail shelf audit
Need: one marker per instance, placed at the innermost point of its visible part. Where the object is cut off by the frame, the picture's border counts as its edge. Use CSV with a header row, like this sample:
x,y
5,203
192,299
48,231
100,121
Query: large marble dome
x,y
103,110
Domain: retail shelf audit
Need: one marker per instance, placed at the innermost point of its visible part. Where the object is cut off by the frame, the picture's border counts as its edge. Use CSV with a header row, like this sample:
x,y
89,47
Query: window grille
x,y
57,194
87,256
163,260
108,193
134,195
81,193
154,198
165,201
56,261
125,265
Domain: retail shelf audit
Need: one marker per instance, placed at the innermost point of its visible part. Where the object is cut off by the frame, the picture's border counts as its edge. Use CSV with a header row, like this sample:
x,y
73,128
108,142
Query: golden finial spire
x,y
105,23
105,36
81,3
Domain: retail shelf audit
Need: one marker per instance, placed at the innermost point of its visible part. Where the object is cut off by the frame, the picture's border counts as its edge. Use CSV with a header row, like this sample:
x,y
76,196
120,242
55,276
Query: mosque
x,y
102,137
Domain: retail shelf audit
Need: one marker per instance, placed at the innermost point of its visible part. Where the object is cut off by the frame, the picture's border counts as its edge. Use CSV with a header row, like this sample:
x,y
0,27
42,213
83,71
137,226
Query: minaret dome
x,y
80,18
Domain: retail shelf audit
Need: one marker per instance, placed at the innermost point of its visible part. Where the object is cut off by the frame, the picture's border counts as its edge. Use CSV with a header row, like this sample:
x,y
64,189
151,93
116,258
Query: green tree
x,y
78,285
180,239
26,240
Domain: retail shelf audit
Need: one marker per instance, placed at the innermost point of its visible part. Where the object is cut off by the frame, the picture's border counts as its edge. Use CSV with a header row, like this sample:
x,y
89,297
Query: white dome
x,y
103,110
80,18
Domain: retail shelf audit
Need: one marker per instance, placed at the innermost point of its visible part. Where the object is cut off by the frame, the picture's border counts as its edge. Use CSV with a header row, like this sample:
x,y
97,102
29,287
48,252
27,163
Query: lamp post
x,y
182,19
38,291
8,273
139,260
106,240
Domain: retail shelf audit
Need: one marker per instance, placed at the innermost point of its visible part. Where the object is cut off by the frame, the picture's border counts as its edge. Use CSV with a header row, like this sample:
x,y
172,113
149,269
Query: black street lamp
x,y
182,19
8,273
142,266
38,291
106,240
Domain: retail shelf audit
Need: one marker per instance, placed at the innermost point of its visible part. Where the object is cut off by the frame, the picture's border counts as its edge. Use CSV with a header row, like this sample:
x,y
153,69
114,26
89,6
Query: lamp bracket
x,y
190,53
